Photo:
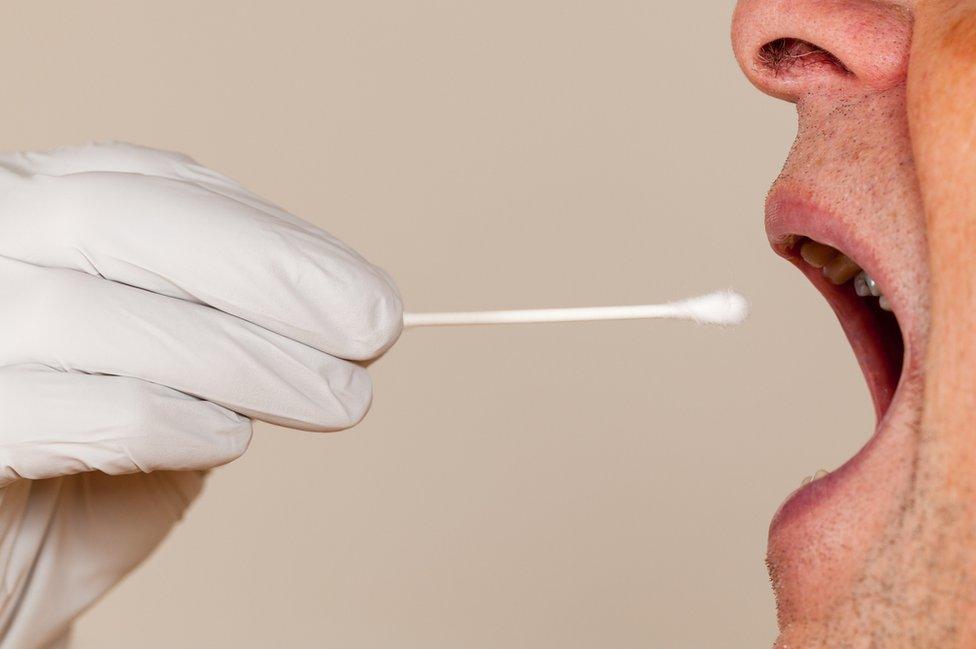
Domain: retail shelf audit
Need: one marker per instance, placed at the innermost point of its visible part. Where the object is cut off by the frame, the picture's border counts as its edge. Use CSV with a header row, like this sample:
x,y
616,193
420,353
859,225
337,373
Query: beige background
x,y
566,486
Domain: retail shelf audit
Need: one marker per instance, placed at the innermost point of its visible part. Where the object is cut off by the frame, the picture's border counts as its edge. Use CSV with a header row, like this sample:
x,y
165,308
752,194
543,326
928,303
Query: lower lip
x,y
807,499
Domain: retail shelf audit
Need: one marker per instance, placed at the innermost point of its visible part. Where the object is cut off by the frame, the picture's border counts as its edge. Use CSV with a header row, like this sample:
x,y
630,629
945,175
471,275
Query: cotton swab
x,y
720,308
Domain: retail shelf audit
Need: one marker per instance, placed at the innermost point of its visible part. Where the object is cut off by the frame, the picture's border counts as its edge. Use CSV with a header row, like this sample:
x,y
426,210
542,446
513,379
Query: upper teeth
x,y
865,286
839,269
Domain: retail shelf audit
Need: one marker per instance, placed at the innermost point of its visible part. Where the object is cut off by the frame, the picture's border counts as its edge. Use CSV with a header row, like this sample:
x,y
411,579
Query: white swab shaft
x,y
540,315
723,307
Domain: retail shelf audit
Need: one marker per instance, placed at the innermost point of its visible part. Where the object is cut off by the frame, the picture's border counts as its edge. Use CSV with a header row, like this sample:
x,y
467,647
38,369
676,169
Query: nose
x,y
788,48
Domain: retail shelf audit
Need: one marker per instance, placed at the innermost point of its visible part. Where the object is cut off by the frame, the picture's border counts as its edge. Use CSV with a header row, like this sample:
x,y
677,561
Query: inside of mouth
x,y
867,318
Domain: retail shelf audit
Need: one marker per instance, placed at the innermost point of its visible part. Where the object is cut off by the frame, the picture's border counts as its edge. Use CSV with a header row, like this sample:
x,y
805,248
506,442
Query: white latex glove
x,y
150,309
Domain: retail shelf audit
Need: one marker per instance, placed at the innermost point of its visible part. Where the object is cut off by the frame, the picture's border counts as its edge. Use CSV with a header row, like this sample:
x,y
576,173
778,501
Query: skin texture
x,y
886,100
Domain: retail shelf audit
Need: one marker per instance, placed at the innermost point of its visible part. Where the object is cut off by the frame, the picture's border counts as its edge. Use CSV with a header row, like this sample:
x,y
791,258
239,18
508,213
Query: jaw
x,y
835,542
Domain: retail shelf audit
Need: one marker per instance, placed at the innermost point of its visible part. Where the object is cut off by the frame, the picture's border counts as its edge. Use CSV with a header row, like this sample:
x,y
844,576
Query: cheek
x,y
960,39
949,27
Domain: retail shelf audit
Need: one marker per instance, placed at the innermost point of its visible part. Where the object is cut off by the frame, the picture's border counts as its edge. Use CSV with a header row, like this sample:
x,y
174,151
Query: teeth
x,y
817,254
872,286
841,269
865,286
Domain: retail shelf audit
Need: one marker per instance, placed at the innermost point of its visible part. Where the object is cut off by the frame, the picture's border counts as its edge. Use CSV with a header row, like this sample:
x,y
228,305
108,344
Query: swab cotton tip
x,y
721,308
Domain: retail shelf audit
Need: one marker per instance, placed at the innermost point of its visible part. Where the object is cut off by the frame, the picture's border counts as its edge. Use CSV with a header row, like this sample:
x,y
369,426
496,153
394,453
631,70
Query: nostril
x,y
792,56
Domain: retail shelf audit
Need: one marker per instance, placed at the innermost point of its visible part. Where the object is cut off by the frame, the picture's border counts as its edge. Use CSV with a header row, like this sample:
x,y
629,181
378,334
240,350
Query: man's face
x,y
882,551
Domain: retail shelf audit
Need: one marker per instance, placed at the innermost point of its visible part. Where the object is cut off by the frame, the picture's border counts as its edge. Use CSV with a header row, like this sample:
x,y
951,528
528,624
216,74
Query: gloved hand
x,y
150,309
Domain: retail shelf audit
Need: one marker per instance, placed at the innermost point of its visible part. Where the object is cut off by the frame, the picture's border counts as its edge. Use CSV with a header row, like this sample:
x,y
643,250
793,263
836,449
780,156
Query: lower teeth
x,y
816,476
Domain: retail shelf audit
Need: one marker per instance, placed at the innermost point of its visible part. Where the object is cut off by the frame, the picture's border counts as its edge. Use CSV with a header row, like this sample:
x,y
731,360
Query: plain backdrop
x,y
556,486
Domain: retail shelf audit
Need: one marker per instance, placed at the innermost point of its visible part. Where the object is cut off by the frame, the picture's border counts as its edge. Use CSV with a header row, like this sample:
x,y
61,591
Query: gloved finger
x,y
108,155
63,423
125,157
75,322
163,223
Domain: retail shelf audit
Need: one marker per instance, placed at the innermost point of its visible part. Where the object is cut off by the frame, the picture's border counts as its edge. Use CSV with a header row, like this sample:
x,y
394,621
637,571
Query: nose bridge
x,y
869,39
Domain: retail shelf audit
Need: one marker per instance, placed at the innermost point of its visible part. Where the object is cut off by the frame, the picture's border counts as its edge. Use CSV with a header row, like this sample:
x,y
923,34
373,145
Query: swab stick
x,y
721,308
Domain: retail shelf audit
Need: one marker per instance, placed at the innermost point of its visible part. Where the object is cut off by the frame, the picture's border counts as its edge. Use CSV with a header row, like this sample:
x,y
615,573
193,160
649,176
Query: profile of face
x,y
876,205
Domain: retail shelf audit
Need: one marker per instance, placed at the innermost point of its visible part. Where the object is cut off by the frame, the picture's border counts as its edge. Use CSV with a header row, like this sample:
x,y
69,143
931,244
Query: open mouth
x,y
849,271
